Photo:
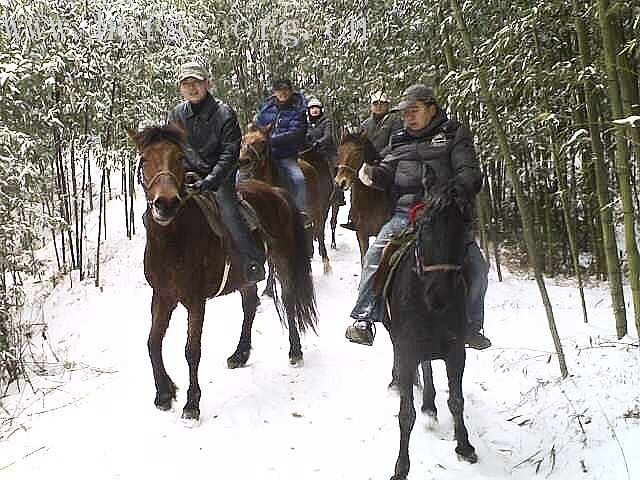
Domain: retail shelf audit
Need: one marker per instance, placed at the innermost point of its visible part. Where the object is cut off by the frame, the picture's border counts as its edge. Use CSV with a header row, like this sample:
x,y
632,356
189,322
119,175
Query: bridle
x,y
354,171
421,268
146,186
251,166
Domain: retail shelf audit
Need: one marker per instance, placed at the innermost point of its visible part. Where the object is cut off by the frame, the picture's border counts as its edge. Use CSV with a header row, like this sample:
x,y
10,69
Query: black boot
x,y
477,340
362,332
350,226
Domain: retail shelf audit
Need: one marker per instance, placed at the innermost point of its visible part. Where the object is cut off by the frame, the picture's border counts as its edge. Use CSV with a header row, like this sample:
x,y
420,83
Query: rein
x,y
347,167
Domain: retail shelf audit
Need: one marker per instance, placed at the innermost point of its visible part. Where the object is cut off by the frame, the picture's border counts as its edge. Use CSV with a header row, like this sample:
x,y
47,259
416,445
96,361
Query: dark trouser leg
x,y
478,272
229,204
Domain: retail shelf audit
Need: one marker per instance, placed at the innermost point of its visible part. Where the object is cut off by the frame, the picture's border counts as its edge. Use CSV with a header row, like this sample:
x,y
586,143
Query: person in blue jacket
x,y
286,112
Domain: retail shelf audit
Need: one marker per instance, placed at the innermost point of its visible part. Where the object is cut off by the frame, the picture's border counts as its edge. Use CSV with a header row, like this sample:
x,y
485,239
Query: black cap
x,y
282,84
416,92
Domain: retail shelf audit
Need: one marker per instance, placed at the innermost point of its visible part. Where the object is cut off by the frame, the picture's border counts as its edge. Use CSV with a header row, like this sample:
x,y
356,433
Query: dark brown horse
x,y
256,161
427,315
370,208
185,262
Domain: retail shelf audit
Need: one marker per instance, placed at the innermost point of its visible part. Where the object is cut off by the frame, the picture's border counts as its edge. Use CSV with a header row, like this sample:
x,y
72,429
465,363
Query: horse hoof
x,y
191,414
393,388
296,361
163,401
469,456
237,360
429,412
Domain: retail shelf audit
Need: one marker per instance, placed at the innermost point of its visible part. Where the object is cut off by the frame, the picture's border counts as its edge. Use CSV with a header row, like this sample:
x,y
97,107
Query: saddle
x,y
209,207
391,256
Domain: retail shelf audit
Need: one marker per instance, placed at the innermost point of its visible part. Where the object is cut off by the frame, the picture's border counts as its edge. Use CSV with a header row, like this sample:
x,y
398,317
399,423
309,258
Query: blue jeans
x,y
478,282
370,307
293,181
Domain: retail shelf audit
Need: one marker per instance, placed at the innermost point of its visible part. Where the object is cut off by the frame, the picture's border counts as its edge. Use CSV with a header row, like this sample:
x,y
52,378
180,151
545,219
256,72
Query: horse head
x,y
355,148
254,150
160,169
442,227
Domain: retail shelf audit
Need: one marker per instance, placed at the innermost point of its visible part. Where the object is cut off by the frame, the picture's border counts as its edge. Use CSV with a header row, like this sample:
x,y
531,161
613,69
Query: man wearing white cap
x,y
380,125
211,152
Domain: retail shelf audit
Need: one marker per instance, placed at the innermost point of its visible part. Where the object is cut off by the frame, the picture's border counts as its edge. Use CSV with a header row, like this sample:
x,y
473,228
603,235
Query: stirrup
x,y
362,334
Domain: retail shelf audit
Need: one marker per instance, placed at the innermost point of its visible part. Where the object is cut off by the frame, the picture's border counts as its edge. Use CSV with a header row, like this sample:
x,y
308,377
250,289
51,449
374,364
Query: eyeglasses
x,y
379,103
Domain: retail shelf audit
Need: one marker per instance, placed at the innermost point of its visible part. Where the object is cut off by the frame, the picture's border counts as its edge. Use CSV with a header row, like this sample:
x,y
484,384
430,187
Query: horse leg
x,y
295,349
249,305
363,243
334,224
268,289
322,249
407,416
393,384
161,309
429,392
455,369
192,352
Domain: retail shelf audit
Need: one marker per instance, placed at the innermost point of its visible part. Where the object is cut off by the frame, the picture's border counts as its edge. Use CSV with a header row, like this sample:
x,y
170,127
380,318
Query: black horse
x,y
427,305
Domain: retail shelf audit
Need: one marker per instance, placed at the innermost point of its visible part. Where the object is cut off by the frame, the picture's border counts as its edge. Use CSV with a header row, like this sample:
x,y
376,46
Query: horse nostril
x,y
166,206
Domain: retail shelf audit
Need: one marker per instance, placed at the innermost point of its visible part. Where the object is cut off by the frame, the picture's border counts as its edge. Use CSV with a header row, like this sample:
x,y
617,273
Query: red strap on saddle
x,y
415,211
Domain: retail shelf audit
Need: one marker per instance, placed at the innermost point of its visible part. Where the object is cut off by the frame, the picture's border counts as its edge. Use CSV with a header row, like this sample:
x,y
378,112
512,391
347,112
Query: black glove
x,y
315,145
207,184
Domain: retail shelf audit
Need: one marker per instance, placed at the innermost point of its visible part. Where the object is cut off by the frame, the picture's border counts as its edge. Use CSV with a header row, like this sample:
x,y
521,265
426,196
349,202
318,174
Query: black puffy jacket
x,y
213,137
444,145
320,131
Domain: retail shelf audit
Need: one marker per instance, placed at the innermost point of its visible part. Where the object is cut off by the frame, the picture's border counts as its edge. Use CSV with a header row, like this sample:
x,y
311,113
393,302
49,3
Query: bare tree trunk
x,y
100,212
522,203
621,157
601,172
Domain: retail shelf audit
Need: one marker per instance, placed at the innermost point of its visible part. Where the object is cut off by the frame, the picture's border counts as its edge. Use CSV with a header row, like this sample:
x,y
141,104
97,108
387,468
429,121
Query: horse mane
x,y
443,195
370,153
160,133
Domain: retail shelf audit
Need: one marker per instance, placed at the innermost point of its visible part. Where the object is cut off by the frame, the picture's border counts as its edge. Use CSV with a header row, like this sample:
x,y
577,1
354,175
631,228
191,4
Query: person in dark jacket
x,y
211,156
286,112
428,137
380,125
320,139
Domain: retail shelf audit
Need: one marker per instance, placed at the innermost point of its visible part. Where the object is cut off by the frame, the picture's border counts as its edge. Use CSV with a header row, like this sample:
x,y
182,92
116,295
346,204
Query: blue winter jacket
x,y
289,123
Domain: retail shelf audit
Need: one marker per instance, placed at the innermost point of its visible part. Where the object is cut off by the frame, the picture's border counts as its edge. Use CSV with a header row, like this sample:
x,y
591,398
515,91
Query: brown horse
x,y
255,161
185,262
370,208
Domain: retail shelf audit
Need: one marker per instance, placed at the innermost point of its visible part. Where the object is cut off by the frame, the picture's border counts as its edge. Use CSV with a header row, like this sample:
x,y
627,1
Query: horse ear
x,y
266,129
133,135
178,128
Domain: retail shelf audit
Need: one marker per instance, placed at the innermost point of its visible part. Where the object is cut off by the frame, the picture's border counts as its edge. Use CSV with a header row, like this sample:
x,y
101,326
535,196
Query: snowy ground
x,y
90,413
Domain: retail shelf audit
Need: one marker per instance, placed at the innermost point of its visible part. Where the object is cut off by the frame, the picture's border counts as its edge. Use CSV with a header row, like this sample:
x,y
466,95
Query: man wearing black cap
x,y
428,137
211,152
286,112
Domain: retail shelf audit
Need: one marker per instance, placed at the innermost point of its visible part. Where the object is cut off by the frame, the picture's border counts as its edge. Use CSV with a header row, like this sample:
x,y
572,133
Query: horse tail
x,y
287,253
298,293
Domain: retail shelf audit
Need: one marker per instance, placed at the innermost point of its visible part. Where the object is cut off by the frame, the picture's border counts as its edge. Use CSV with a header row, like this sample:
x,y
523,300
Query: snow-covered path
x,y
92,414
